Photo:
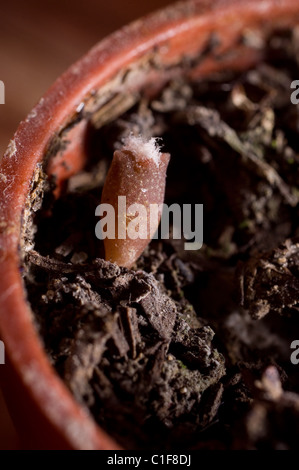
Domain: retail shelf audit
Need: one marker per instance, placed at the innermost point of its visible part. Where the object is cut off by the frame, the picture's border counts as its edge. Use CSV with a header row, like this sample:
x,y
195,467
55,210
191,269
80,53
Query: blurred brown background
x,y
38,41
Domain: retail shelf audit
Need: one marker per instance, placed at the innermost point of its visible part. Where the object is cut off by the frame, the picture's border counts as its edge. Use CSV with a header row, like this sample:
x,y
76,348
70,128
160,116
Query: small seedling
x,y
138,173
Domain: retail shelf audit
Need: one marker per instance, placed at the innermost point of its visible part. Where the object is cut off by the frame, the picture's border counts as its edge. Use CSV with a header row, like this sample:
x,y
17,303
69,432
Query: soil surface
x,y
190,349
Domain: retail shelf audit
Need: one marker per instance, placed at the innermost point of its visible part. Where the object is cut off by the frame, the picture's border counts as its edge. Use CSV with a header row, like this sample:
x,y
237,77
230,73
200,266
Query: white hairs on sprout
x,y
143,148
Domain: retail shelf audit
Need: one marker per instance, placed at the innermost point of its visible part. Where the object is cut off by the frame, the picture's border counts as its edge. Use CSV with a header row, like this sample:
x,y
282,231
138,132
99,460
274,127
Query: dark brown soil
x,y
188,349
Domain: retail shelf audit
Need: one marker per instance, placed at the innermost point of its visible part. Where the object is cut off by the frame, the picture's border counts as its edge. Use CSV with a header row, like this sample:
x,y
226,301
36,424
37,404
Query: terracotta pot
x,y
193,38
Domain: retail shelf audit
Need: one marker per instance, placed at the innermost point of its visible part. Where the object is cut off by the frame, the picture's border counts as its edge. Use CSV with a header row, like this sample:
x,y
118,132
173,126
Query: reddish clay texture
x,y
43,409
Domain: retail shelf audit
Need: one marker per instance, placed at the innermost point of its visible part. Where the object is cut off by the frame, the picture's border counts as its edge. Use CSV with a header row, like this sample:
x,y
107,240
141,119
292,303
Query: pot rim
x,y
27,149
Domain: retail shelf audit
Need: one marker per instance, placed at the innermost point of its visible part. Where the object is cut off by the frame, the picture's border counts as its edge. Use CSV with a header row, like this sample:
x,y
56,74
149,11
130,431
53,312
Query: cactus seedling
x,y
135,188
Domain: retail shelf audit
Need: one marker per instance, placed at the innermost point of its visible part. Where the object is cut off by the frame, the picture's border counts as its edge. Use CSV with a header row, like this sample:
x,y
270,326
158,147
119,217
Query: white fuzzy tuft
x,y
142,148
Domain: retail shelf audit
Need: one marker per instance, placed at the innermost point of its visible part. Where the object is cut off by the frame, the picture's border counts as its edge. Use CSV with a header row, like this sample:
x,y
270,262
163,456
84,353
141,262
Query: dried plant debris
x,y
186,349
273,421
270,281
